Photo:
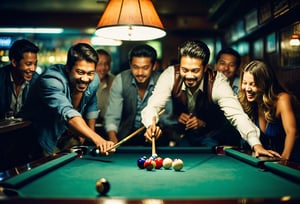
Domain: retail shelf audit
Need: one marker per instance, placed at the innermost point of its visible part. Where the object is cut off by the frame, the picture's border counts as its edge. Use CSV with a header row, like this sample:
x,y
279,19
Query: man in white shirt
x,y
201,98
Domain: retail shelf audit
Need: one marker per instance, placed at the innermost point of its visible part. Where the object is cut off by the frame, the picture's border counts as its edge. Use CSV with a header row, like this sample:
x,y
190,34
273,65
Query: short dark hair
x,y
81,51
230,51
104,52
19,47
143,51
195,49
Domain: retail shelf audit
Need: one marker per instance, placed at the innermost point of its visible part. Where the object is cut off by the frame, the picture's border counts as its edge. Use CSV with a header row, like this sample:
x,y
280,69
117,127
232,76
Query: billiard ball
x,y
141,161
219,150
167,163
158,162
154,156
149,164
177,164
95,151
102,186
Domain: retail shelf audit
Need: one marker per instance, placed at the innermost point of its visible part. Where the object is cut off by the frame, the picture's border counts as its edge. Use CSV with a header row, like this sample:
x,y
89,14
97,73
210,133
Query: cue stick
x,y
153,136
131,135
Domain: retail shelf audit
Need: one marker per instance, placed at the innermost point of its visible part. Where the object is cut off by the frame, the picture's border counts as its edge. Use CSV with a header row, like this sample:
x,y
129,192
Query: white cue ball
x,y
167,163
177,164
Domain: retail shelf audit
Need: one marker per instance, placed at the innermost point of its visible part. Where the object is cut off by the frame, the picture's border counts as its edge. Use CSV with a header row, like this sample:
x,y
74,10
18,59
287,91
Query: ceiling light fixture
x,y
96,40
294,41
32,30
130,20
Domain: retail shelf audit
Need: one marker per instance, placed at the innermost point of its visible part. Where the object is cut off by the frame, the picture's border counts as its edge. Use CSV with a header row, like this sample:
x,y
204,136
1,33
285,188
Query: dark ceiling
x,y
82,14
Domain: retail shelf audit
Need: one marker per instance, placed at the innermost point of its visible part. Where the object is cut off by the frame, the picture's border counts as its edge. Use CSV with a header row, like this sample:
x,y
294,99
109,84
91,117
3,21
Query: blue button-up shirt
x,y
49,105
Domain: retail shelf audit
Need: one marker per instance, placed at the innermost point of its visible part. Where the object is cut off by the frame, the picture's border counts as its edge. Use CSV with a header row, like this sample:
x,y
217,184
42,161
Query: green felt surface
x,y
204,175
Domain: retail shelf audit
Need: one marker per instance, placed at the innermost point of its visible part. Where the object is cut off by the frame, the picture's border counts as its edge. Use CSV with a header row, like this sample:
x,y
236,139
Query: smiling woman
x,y
214,22
270,106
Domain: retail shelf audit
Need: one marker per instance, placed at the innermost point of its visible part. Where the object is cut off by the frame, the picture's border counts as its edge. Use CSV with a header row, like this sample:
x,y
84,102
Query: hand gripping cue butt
x,y
136,132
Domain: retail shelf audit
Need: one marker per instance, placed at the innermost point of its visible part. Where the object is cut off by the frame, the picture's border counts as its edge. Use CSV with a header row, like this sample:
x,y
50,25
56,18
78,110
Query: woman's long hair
x,y
268,86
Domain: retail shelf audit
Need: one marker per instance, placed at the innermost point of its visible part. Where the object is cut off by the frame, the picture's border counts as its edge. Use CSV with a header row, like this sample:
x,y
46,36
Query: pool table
x,y
208,176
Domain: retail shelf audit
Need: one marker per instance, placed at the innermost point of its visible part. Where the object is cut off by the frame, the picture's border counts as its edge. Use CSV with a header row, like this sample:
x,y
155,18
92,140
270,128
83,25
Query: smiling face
x,y
25,68
192,71
81,75
227,64
103,66
252,92
141,69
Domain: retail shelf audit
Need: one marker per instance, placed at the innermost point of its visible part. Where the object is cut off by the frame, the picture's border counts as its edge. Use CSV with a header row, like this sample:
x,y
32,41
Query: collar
x,y
12,80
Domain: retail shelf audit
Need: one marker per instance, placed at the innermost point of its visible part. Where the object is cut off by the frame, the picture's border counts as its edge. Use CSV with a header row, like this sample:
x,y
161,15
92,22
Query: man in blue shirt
x,y
129,94
18,76
63,103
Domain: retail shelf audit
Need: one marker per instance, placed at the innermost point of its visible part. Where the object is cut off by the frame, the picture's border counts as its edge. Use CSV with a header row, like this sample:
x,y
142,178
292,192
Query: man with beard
x,y
129,94
17,77
62,104
203,102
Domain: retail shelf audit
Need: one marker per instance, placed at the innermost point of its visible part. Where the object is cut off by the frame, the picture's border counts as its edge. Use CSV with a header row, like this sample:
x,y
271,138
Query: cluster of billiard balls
x,y
156,162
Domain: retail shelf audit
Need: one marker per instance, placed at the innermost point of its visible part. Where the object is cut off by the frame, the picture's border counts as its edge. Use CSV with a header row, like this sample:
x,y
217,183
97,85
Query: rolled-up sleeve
x,y
161,93
223,95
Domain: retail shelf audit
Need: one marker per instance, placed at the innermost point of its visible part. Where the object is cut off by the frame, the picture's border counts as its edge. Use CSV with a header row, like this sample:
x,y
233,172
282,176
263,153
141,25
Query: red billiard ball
x,y
141,161
158,162
102,186
149,164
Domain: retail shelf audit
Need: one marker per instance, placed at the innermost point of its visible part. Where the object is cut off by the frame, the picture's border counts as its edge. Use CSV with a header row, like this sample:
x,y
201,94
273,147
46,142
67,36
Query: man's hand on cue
x,y
152,131
104,146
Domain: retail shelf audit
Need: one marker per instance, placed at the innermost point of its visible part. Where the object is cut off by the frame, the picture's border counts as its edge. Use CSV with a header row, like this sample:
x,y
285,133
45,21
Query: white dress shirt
x,y
222,95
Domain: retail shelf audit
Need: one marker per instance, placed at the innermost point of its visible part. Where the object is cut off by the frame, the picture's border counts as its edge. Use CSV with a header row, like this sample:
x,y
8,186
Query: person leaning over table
x,y
270,107
17,77
129,94
63,103
199,111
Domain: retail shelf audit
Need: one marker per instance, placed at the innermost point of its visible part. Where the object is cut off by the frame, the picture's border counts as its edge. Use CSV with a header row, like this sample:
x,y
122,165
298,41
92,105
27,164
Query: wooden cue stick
x,y
153,136
131,135
126,138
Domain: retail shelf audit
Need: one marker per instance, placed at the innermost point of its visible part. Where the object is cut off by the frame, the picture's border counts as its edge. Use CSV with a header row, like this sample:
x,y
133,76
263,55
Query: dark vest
x,y
129,94
205,109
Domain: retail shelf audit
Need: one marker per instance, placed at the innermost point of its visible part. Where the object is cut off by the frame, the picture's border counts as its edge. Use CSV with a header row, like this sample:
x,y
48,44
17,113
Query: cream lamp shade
x,y
130,20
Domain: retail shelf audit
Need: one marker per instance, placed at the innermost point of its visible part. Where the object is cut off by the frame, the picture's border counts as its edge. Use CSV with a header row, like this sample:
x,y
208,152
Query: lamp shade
x,y
131,20
294,41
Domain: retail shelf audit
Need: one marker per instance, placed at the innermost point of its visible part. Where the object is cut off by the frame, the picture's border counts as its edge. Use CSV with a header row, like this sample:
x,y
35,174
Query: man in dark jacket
x,y
17,77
